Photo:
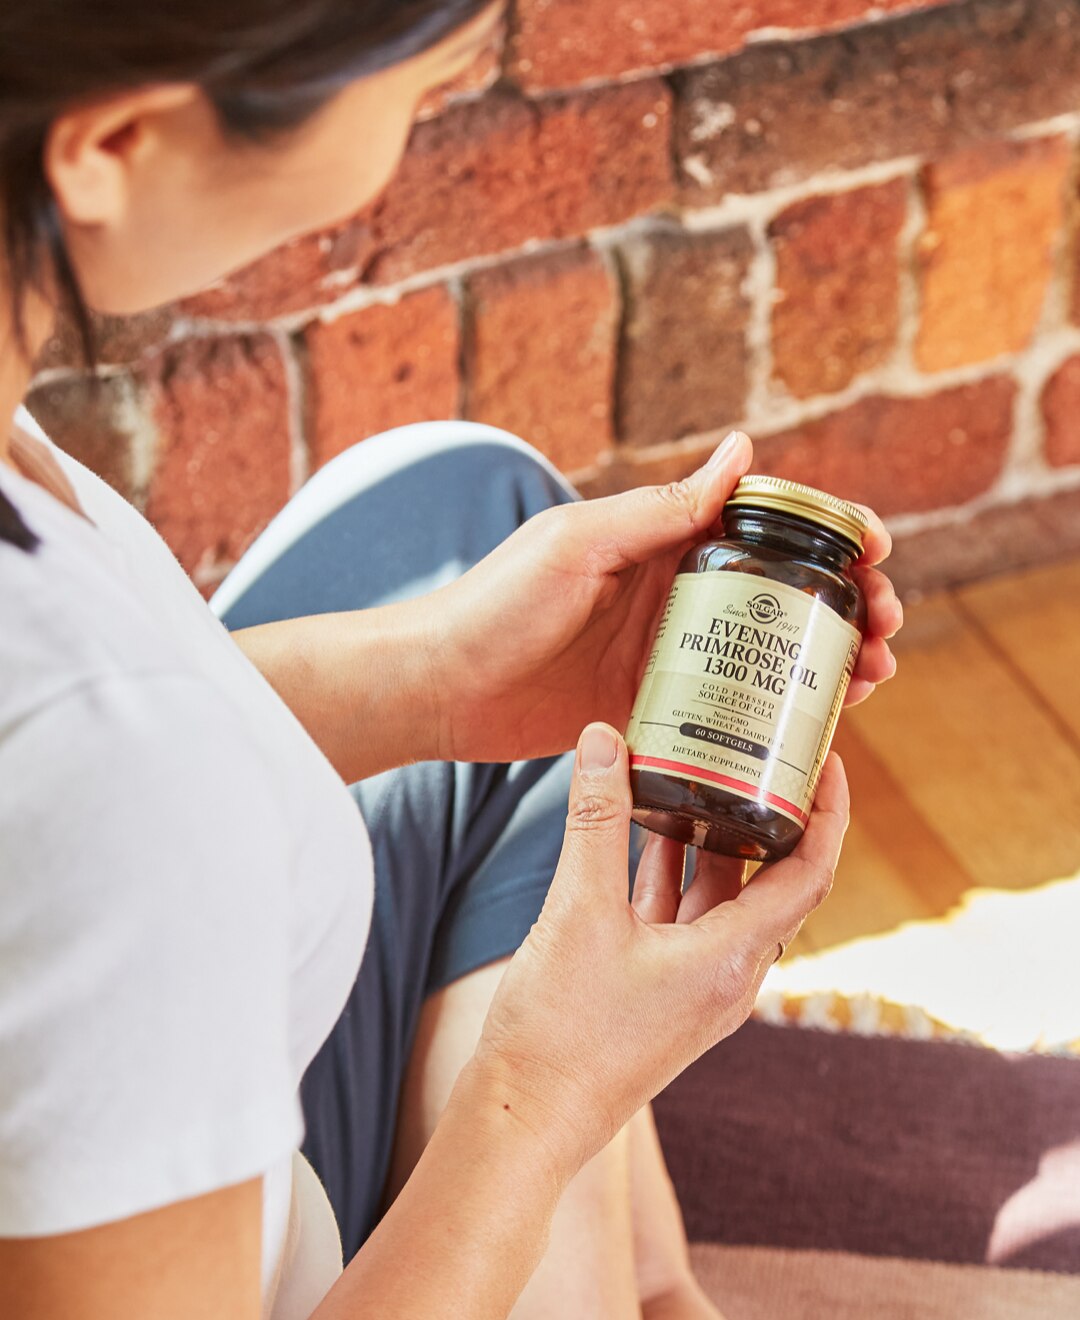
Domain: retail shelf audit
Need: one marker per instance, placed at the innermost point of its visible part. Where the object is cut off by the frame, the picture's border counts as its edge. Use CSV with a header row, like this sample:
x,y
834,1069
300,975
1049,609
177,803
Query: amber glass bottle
x,y
748,673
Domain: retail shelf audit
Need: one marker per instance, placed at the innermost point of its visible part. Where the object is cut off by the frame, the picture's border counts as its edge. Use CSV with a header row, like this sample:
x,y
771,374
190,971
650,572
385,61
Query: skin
x,y
609,565
525,1108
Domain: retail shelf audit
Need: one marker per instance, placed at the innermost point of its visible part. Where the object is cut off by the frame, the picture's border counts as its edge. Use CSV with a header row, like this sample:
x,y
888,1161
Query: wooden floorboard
x,y
965,769
1033,620
894,867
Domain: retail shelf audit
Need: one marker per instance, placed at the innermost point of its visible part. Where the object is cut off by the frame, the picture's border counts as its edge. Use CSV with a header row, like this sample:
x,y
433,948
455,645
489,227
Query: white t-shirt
x,y
185,893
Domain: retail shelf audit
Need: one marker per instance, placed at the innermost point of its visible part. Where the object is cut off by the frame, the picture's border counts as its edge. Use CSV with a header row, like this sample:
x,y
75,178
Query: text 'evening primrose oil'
x,y
743,689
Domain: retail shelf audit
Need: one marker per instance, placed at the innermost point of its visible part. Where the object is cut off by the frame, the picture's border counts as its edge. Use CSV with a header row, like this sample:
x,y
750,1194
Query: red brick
x,y
379,368
838,284
479,76
540,353
222,464
1002,539
117,339
901,455
566,42
964,549
921,84
292,278
986,257
683,360
489,175
629,468
93,418
485,176
1061,413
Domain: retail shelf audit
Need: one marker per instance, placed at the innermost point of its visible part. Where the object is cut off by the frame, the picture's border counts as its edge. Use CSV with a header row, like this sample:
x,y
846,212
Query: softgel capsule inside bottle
x,y
741,694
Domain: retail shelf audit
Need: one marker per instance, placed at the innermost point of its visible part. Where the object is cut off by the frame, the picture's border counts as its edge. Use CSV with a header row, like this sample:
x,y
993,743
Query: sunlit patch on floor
x,y
1000,969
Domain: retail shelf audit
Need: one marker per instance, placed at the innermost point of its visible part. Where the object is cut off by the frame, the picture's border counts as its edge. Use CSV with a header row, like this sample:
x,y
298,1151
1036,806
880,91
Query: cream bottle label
x,y
743,689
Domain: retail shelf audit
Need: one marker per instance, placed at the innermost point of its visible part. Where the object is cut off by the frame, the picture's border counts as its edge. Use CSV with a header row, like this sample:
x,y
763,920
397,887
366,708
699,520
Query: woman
x,y
185,881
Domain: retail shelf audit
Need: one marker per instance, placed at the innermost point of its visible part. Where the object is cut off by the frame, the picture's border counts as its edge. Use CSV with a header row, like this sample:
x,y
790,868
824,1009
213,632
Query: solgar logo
x,y
765,608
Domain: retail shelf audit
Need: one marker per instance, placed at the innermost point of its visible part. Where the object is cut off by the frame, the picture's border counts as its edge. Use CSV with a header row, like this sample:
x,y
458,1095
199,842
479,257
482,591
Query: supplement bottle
x,y
748,672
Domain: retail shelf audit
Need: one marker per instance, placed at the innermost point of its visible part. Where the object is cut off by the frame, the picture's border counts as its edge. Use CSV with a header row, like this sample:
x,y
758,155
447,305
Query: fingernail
x,y
724,450
598,749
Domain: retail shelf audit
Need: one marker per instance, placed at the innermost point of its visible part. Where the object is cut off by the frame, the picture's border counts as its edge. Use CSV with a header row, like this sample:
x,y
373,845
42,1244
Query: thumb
x,y
651,520
595,859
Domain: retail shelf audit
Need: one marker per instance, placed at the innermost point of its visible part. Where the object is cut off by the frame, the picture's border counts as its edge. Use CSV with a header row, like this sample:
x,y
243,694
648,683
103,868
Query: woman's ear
x,y
91,151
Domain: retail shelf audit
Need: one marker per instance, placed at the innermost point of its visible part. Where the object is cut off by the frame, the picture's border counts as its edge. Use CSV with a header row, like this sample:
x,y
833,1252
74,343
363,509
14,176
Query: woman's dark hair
x,y
265,65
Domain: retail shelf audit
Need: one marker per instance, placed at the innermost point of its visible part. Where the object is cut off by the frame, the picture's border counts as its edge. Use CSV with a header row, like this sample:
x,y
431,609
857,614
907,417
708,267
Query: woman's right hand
x,y
608,1000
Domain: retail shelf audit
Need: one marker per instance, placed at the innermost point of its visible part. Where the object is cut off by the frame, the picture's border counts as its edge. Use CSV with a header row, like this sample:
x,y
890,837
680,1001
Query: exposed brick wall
x,y
903,455
850,228
683,363
541,353
562,43
223,463
986,257
380,367
837,307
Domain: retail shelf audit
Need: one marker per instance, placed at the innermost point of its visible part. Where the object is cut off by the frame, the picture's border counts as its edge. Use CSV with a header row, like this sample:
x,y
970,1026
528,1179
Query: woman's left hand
x,y
552,630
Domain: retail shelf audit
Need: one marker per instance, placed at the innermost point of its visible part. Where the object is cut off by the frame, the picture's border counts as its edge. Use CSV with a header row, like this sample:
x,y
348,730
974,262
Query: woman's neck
x,y
19,450
16,359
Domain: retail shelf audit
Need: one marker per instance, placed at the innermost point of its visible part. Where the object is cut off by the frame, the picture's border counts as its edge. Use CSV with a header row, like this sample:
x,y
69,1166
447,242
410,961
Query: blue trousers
x,y
464,854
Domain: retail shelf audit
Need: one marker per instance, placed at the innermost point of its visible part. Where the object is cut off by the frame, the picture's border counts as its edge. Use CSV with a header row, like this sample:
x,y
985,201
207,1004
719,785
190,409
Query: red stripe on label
x,y
655,763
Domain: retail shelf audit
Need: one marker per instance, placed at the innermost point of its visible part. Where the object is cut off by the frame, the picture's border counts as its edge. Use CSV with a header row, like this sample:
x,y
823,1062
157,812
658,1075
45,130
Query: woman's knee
x,y
447,1032
377,457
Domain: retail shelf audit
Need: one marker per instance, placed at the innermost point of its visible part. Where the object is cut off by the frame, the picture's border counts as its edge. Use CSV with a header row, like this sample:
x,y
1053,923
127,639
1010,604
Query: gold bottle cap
x,y
802,502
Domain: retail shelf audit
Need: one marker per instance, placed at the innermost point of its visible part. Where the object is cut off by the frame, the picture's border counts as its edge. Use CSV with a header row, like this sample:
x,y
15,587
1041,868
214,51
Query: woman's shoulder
x,y
67,615
113,775
99,704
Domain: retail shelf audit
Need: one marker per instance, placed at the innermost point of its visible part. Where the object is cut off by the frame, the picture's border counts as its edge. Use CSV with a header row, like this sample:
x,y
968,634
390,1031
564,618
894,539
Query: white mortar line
x,y
1024,459
137,420
741,208
54,375
908,295
900,382
455,288
760,288
1064,124
299,453
1052,482
212,573
895,380
610,263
